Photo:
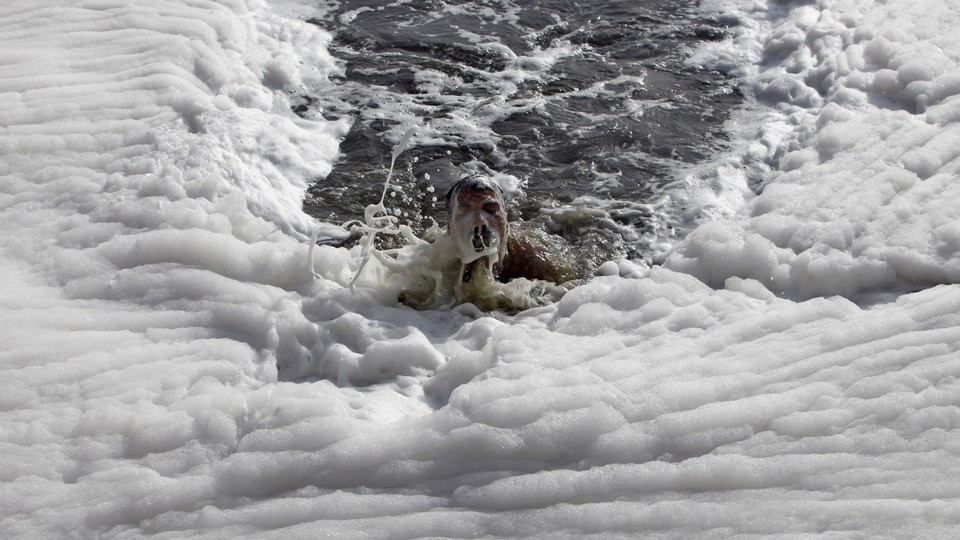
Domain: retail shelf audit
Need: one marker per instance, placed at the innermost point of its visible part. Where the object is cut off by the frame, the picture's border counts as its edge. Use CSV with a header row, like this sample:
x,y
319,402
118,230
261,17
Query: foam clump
x,y
427,273
862,196
382,360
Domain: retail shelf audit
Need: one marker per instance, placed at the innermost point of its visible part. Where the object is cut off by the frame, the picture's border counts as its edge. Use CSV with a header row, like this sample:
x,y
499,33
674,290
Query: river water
x,y
586,112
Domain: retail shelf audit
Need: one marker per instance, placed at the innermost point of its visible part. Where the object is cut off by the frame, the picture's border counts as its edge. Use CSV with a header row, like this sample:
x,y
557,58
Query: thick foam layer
x,y
861,148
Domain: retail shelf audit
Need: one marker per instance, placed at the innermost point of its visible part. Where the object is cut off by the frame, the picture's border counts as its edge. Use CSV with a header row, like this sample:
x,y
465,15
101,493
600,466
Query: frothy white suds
x,y
858,153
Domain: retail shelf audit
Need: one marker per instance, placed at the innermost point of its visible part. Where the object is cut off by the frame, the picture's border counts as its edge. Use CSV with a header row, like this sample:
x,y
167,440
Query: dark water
x,y
585,108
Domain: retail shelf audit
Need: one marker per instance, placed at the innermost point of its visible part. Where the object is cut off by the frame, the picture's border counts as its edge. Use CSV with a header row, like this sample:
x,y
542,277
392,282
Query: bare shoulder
x,y
532,255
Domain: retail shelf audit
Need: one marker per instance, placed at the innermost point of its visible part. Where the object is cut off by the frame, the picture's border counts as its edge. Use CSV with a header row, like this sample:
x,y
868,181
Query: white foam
x,y
860,192
172,367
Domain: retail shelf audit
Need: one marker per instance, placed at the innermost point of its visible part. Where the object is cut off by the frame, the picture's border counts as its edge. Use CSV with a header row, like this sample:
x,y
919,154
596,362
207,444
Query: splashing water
x,y
429,272
378,220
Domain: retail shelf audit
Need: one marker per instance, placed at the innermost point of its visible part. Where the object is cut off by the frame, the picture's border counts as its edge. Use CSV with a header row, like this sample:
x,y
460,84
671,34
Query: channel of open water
x,y
585,111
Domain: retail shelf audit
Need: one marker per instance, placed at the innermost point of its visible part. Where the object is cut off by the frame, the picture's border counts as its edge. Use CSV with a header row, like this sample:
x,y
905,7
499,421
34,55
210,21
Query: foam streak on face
x,y
478,223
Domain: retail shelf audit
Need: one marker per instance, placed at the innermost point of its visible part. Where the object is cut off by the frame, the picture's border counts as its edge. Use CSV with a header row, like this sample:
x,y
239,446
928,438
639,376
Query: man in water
x,y
479,228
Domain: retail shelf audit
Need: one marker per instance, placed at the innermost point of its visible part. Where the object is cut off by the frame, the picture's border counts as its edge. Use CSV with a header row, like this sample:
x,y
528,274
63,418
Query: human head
x,y
478,219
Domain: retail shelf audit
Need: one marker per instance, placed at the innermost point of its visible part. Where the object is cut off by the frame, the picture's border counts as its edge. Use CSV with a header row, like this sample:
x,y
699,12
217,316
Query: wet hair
x,y
477,182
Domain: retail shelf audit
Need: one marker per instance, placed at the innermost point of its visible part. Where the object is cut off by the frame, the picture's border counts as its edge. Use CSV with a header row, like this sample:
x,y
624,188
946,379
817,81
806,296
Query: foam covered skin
x,y
478,223
170,367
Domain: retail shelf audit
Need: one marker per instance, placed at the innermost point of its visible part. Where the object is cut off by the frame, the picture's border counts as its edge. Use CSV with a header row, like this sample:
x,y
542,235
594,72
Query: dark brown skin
x,y
528,260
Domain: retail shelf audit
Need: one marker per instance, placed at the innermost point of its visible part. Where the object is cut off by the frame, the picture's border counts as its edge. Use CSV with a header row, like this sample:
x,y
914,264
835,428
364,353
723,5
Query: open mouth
x,y
483,238
478,241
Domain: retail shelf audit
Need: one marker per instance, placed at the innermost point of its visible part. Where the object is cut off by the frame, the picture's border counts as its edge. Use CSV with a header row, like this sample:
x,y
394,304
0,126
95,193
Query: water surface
x,y
585,111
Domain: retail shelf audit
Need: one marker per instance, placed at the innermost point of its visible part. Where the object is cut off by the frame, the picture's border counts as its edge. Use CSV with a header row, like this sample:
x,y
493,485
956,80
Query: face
x,y
478,223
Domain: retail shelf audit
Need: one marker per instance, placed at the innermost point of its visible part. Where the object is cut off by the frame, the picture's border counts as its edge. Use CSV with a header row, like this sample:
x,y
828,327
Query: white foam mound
x,y
862,193
170,366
